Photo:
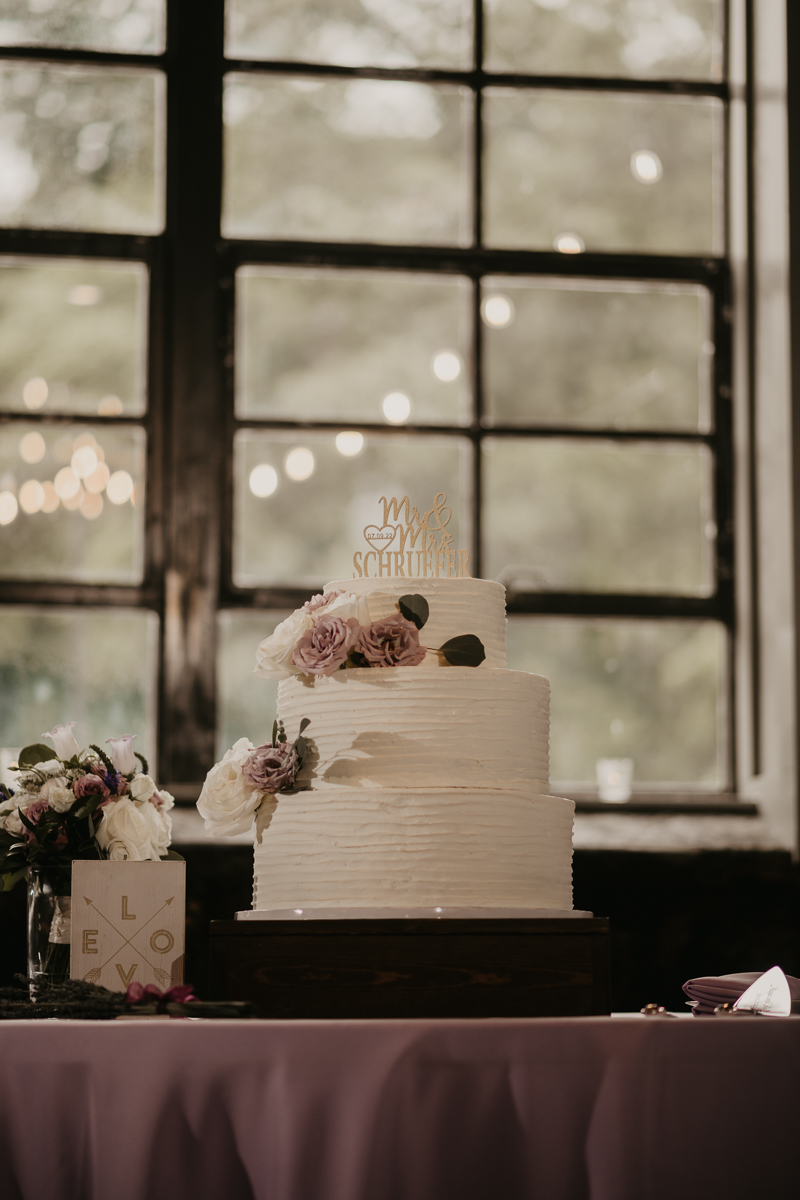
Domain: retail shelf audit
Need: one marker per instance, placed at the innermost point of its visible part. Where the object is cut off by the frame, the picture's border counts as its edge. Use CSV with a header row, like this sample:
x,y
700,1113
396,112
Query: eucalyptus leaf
x,y
304,724
414,608
31,755
274,733
11,878
464,651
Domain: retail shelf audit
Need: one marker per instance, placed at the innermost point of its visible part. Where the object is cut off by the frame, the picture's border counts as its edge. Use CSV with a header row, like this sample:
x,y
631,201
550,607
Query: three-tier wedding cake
x,y
408,768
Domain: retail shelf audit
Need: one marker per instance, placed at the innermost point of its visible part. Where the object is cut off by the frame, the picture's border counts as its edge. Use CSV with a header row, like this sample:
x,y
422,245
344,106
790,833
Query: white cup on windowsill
x,y
614,779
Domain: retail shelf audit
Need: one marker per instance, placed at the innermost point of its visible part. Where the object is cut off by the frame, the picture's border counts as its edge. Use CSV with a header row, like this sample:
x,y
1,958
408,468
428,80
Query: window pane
x,y
73,336
246,705
82,148
95,666
585,353
314,345
129,26
598,516
604,172
653,691
364,160
302,500
661,39
72,502
352,33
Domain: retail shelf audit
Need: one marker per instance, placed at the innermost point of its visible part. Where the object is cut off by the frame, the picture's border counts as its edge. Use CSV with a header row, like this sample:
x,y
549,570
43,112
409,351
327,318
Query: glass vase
x,y
49,909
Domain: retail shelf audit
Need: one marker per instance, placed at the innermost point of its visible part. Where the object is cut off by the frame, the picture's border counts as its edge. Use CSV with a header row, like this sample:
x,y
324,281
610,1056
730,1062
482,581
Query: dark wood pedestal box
x,y
510,967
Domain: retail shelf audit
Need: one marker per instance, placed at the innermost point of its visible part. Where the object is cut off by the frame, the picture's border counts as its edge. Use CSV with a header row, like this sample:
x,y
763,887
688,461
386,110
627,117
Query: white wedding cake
x,y
426,785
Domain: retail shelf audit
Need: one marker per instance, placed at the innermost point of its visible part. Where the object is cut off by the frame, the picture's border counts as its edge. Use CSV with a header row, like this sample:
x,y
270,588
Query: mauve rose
x,y
323,649
319,601
33,814
391,642
90,785
269,768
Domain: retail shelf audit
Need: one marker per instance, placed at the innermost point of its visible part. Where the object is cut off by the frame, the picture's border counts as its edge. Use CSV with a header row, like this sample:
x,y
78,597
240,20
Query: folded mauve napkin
x,y
708,991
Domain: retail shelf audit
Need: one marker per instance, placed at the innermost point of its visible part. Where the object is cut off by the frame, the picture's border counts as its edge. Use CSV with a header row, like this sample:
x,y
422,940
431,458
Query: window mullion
x,y
195,412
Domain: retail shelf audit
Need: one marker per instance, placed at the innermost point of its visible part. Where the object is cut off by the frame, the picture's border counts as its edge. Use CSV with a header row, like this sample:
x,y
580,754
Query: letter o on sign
x,y
162,941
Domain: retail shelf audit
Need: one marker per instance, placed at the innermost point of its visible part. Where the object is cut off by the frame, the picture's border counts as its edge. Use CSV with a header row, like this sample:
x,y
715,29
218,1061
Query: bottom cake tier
x,y
360,847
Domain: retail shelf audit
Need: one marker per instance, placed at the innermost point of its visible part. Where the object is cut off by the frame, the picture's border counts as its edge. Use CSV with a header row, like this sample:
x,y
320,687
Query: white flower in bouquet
x,y
124,832
58,794
121,753
274,655
9,816
61,736
227,801
165,801
52,767
160,827
142,787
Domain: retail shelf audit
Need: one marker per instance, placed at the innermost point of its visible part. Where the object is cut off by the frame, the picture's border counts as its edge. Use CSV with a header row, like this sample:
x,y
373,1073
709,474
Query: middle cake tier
x,y
403,727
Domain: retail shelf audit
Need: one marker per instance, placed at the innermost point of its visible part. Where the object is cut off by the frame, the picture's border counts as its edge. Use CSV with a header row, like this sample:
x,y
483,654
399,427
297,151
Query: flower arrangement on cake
x,y
333,631
69,803
246,777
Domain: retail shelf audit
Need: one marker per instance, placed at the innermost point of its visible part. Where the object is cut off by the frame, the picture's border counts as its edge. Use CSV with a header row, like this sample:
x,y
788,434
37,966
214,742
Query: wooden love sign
x,y
410,548
128,923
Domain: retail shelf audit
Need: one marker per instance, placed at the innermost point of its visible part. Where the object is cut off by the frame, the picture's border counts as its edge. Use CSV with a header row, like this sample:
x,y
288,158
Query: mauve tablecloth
x,y
624,1109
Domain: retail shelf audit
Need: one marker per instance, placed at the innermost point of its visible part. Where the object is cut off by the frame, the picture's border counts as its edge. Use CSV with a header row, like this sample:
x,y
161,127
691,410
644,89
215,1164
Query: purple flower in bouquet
x,y
34,815
270,768
322,649
320,601
391,642
90,785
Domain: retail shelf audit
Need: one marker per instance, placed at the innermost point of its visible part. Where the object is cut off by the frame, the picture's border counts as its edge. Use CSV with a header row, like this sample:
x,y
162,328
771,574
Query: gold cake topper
x,y
410,547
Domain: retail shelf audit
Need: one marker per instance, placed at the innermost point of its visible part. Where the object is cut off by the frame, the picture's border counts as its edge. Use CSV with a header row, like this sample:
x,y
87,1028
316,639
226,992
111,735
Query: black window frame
x,y
190,420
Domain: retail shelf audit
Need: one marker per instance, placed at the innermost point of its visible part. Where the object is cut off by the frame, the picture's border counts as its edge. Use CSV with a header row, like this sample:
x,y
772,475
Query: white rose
x,y
227,801
9,816
274,655
123,822
142,787
167,801
117,851
58,794
160,828
51,767
345,605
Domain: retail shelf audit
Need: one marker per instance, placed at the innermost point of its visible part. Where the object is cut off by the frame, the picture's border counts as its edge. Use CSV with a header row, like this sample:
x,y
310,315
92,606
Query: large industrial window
x,y
263,262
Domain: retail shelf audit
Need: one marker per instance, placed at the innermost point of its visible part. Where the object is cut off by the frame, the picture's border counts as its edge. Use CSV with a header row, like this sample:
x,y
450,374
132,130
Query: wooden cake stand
x,y
300,964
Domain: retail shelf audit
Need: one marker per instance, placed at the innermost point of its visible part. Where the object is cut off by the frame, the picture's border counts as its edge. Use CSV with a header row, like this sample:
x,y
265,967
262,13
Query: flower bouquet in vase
x,y
67,804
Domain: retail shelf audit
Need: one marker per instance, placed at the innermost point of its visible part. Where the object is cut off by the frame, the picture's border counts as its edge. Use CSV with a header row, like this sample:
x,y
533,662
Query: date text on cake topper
x,y
410,547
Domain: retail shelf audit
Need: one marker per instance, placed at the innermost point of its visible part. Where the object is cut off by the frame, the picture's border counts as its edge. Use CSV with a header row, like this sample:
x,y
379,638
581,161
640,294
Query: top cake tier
x,y
457,606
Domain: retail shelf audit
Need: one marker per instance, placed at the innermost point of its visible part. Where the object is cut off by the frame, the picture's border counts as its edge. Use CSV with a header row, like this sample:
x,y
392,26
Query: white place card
x,y
128,923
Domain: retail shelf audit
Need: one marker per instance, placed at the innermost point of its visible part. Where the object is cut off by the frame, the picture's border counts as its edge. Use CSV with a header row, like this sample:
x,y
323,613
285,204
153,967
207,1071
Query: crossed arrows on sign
x,y
161,975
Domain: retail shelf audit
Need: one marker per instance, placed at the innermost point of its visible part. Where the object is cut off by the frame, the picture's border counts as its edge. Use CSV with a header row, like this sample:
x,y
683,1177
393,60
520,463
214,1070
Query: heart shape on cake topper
x,y
379,537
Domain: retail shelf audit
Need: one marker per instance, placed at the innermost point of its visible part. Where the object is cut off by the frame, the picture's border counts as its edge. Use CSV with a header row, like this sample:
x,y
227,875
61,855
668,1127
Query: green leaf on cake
x,y
275,733
358,659
414,608
464,651
32,755
304,724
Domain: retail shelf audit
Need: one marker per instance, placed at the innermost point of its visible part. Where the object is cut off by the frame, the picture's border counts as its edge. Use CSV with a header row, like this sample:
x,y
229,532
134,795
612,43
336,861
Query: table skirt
x,y
562,1109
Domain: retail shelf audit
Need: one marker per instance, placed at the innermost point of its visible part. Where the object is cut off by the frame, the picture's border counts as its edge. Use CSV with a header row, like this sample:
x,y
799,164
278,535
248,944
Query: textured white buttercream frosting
x,y
457,606
350,848
403,727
